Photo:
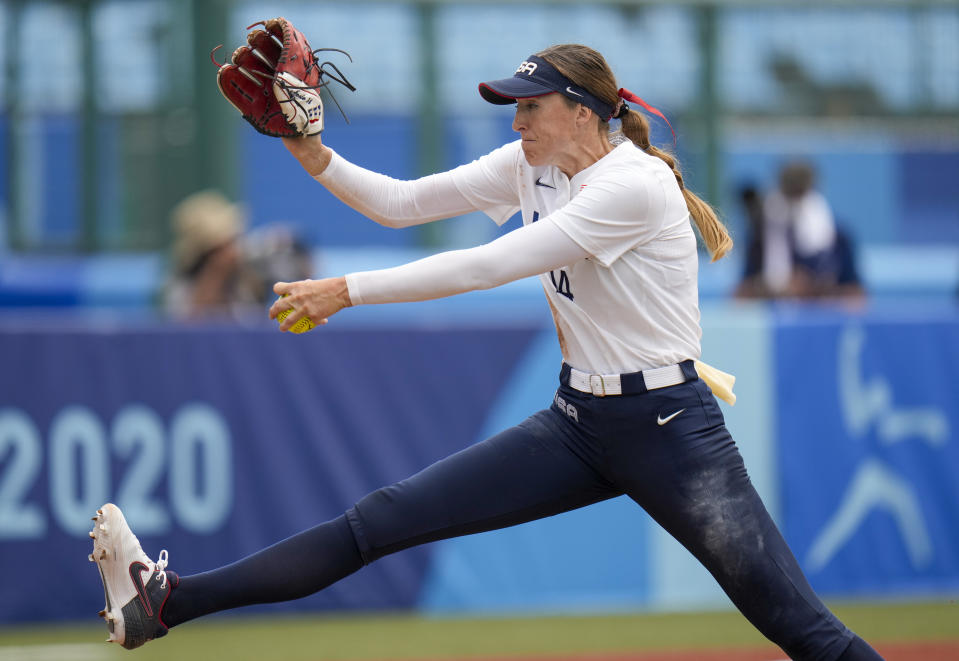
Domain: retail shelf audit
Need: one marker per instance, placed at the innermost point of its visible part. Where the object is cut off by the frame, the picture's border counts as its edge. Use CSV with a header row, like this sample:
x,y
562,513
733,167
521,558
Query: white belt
x,y
601,385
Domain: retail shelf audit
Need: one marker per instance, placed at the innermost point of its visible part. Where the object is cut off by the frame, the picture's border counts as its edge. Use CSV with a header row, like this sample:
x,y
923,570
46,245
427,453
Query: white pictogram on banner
x,y
875,485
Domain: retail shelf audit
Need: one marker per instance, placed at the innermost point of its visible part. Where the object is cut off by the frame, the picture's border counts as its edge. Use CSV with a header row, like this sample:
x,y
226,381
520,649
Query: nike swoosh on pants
x,y
660,420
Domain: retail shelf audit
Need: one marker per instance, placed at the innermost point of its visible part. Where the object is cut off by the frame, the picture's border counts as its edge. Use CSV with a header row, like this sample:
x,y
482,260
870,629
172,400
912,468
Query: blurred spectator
x,y
795,247
277,254
208,277
217,270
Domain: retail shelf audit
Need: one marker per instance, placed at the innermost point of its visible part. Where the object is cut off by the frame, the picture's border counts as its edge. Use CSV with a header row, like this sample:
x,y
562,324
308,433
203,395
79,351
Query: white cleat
x,y
134,587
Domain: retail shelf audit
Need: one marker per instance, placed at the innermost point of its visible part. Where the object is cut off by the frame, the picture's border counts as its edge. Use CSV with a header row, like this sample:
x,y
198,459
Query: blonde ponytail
x,y
588,69
711,229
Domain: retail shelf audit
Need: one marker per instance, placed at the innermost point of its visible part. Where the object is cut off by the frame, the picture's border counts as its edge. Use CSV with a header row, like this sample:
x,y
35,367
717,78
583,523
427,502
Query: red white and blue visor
x,y
537,77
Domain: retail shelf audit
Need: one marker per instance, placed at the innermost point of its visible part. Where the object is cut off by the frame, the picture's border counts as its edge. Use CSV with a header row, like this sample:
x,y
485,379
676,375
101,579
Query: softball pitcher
x,y
606,228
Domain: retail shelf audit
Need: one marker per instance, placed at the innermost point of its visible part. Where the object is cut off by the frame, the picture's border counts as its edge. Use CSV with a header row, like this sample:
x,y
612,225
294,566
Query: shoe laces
x,y
162,561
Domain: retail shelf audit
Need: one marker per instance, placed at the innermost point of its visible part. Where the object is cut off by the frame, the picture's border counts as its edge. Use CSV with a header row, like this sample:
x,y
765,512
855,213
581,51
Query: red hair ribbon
x,y
629,96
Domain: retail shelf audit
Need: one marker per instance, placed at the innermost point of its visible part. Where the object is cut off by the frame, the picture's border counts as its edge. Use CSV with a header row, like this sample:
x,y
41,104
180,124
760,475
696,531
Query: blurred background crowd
x,y
834,160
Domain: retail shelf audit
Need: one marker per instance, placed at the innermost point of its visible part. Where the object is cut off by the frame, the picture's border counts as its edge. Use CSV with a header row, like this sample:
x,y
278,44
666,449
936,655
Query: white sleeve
x,y
487,184
612,215
623,208
392,202
491,182
529,250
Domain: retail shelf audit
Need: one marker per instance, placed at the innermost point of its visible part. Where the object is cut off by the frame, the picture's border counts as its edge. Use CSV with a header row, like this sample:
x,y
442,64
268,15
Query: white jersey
x,y
633,304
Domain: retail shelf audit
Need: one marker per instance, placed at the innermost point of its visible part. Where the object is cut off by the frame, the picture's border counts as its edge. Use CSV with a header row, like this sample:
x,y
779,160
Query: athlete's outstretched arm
x,y
385,200
530,250
310,151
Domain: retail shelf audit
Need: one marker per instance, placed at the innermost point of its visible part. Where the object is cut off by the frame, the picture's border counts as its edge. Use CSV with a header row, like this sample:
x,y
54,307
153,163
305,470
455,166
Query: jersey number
x,y
561,283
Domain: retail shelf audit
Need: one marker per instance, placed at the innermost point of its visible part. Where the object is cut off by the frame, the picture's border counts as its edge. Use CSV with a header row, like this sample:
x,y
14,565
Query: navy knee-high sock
x,y
295,567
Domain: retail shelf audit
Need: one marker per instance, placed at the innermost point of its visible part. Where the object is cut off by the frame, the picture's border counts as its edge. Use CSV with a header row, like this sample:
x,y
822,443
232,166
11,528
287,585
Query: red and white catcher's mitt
x,y
275,80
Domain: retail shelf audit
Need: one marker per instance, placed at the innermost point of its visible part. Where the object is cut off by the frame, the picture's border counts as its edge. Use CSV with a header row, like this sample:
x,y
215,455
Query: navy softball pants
x,y
686,473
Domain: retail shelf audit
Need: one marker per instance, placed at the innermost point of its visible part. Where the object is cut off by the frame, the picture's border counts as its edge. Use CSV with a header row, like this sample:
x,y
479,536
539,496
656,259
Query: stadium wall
x,y
219,440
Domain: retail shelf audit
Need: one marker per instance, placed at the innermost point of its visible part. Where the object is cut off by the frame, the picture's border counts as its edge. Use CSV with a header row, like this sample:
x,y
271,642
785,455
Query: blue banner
x,y
869,452
219,441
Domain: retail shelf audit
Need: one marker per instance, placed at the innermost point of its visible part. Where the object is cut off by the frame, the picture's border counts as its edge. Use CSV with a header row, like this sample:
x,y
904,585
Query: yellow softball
x,y
303,325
